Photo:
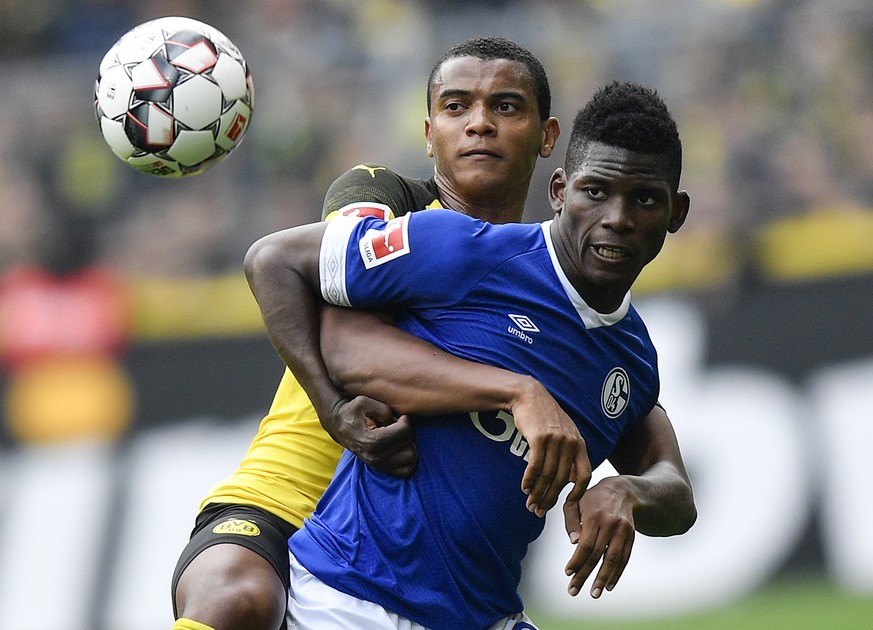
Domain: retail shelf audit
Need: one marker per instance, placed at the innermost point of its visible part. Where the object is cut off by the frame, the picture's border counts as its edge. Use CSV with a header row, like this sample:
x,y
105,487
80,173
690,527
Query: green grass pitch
x,y
797,603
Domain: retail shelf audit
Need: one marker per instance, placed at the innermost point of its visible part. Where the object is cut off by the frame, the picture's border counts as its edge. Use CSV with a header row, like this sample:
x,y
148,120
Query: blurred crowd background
x,y
774,99
122,301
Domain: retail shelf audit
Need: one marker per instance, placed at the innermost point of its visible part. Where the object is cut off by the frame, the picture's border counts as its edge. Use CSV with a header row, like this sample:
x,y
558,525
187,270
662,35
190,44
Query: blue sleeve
x,y
422,259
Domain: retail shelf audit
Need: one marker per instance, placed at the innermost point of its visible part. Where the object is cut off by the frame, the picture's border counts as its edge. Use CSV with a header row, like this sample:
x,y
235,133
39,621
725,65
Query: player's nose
x,y
479,120
617,215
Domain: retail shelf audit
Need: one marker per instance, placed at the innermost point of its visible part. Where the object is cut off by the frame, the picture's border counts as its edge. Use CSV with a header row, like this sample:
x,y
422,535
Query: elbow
x,y
686,510
284,258
689,516
271,269
676,517
257,259
349,342
342,371
674,511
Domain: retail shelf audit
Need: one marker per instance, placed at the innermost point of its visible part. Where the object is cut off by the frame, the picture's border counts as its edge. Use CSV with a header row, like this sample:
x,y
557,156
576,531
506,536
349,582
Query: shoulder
x,y
454,235
373,183
638,325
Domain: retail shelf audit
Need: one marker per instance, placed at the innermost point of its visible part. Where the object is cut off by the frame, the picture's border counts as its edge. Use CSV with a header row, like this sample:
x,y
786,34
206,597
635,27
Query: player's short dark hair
x,y
491,48
630,116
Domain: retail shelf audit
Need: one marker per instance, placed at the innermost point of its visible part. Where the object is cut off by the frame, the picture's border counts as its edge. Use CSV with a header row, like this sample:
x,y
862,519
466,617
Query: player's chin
x,y
481,177
609,274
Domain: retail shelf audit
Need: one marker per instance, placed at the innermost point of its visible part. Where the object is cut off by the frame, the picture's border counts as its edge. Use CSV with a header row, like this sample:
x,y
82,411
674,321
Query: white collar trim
x,y
590,317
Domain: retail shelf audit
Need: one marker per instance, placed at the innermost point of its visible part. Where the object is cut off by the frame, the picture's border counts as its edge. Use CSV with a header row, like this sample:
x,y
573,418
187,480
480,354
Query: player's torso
x,y
498,295
604,377
515,314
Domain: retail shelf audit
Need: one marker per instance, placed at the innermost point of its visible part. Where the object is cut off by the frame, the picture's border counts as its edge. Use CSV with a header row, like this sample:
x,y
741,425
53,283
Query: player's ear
x,y
551,131
681,205
428,137
557,186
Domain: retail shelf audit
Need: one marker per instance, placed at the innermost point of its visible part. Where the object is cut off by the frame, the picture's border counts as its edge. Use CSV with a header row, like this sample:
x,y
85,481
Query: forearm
x,y
652,474
284,287
369,357
380,361
661,499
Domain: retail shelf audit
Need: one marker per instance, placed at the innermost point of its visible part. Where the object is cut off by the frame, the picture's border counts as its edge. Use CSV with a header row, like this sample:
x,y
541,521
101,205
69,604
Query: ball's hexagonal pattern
x,y
173,97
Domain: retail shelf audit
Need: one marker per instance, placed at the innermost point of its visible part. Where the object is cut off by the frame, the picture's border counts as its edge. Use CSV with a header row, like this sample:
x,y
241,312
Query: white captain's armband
x,y
332,260
363,209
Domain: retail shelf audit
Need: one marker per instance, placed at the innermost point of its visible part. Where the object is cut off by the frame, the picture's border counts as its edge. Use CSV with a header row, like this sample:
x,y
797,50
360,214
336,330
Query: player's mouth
x,y
610,252
480,154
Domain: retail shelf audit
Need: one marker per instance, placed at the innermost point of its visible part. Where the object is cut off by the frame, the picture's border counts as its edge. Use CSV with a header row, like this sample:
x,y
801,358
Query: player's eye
x,y
506,108
650,198
596,193
454,106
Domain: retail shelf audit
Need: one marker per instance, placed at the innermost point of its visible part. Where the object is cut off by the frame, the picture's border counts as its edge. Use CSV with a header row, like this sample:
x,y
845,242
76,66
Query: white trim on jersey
x,y
332,260
590,317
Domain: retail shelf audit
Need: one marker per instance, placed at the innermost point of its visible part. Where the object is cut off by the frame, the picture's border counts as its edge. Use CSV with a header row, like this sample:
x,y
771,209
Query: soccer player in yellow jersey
x,y
488,121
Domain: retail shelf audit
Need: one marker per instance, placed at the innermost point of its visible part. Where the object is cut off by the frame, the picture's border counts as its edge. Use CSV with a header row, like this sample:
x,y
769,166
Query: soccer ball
x,y
173,97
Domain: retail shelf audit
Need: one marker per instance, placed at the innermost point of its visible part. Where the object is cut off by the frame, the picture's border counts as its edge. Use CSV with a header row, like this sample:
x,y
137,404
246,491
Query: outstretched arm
x,y
367,356
651,494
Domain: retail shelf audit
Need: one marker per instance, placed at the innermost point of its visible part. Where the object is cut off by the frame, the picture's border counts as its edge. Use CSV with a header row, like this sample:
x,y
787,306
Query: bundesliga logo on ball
x,y
173,97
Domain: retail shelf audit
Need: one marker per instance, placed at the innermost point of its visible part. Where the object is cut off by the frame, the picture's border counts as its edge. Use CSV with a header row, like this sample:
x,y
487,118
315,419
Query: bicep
x,y
295,250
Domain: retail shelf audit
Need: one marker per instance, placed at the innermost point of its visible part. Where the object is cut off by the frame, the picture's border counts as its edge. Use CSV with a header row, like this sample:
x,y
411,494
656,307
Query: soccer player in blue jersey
x,y
443,548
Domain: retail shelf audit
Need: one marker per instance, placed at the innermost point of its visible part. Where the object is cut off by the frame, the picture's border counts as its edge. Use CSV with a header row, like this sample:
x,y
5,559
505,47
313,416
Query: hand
x,y
601,525
557,451
371,431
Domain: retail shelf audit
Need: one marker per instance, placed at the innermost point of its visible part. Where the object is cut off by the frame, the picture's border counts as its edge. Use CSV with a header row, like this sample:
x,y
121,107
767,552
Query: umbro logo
x,y
524,322
523,325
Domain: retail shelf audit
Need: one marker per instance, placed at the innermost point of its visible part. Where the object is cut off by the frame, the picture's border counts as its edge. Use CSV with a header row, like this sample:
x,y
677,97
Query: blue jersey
x,y
444,548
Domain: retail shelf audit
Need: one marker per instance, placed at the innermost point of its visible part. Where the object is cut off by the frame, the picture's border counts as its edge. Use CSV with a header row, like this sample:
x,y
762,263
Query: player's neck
x,y
490,210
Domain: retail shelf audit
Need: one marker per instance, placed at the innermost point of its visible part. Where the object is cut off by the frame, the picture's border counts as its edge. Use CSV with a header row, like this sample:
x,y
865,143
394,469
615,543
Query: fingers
x,y
581,472
402,464
572,520
531,479
546,483
391,449
615,560
550,467
609,547
378,414
380,439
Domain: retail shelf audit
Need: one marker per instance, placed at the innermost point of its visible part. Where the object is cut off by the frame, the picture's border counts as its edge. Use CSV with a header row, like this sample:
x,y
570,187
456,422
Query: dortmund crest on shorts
x,y
237,526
